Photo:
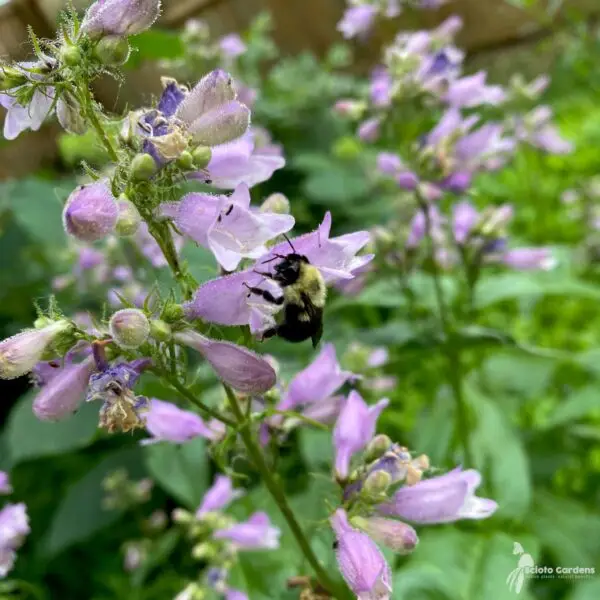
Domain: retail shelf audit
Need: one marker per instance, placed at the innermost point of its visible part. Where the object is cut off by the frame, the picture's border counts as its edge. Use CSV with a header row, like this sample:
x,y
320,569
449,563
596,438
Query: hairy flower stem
x,y
455,374
90,112
276,491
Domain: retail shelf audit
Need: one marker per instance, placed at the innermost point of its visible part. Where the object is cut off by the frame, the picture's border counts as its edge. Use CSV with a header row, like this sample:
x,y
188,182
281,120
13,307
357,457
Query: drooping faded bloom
x,y
442,499
167,422
361,563
208,115
120,17
240,161
254,534
354,429
5,487
235,365
227,225
121,410
14,526
226,300
314,388
219,496
64,391
20,353
91,212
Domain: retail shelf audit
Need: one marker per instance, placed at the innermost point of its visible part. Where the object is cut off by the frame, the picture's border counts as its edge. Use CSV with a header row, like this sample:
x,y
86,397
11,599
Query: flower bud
x,y
120,17
21,352
70,55
185,160
160,331
203,551
396,535
191,592
112,51
201,156
182,517
129,217
347,148
143,167
129,328
173,312
11,78
377,482
276,203
377,447
408,181
90,213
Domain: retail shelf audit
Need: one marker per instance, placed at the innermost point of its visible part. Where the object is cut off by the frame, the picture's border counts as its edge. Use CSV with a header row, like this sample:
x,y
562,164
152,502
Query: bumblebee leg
x,y
269,333
265,294
267,275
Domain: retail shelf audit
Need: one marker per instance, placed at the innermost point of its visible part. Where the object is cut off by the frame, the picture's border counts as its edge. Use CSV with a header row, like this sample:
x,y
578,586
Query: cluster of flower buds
x,y
14,527
217,538
121,493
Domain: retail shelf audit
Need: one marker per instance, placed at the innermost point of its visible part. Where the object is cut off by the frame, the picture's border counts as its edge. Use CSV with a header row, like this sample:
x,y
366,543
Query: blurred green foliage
x,y
532,356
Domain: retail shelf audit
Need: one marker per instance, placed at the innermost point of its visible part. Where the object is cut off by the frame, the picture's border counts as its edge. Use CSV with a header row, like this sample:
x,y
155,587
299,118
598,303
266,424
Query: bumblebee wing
x,y
316,318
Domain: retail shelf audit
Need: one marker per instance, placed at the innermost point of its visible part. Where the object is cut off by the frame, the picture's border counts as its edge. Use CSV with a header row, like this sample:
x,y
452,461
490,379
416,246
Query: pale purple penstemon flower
x,y
372,514
14,527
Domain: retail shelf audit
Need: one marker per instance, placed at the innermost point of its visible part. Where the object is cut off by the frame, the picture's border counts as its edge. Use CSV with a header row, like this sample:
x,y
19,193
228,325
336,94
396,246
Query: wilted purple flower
x,y
228,225
357,21
5,487
14,526
91,212
64,391
529,259
235,365
232,46
226,300
120,17
393,534
219,496
361,563
472,90
465,217
368,131
254,534
240,161
122,409
318,382
354,429
167,422
381,87
20,353
442,499
19,118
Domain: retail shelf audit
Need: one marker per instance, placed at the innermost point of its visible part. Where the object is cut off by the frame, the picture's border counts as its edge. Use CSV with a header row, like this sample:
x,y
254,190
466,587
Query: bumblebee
x,y
303,299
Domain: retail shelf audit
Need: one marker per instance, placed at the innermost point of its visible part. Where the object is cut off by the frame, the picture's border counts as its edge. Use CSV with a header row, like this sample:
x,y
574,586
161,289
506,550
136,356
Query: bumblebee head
x,y
288,270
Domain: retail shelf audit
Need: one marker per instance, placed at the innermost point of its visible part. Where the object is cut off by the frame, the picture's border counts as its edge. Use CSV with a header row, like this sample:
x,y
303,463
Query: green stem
x,y
90,111
276,491
183,391
455,371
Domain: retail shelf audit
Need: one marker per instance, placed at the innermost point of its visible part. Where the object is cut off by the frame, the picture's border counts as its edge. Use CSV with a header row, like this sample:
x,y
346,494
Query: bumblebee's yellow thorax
x,y
311,283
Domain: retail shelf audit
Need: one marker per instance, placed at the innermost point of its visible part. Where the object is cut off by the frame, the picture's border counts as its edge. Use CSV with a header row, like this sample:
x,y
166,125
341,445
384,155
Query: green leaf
x,y
517,286
569,531
586,590
316,448
454,564
181,470
27,437
37,206
577,406
499,452
80,513
336,185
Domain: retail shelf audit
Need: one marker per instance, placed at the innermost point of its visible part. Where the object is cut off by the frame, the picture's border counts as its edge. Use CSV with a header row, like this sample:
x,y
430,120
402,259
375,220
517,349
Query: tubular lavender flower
x,y
255,534
168,423
20,353
219,496
14,526
236,366
361,563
